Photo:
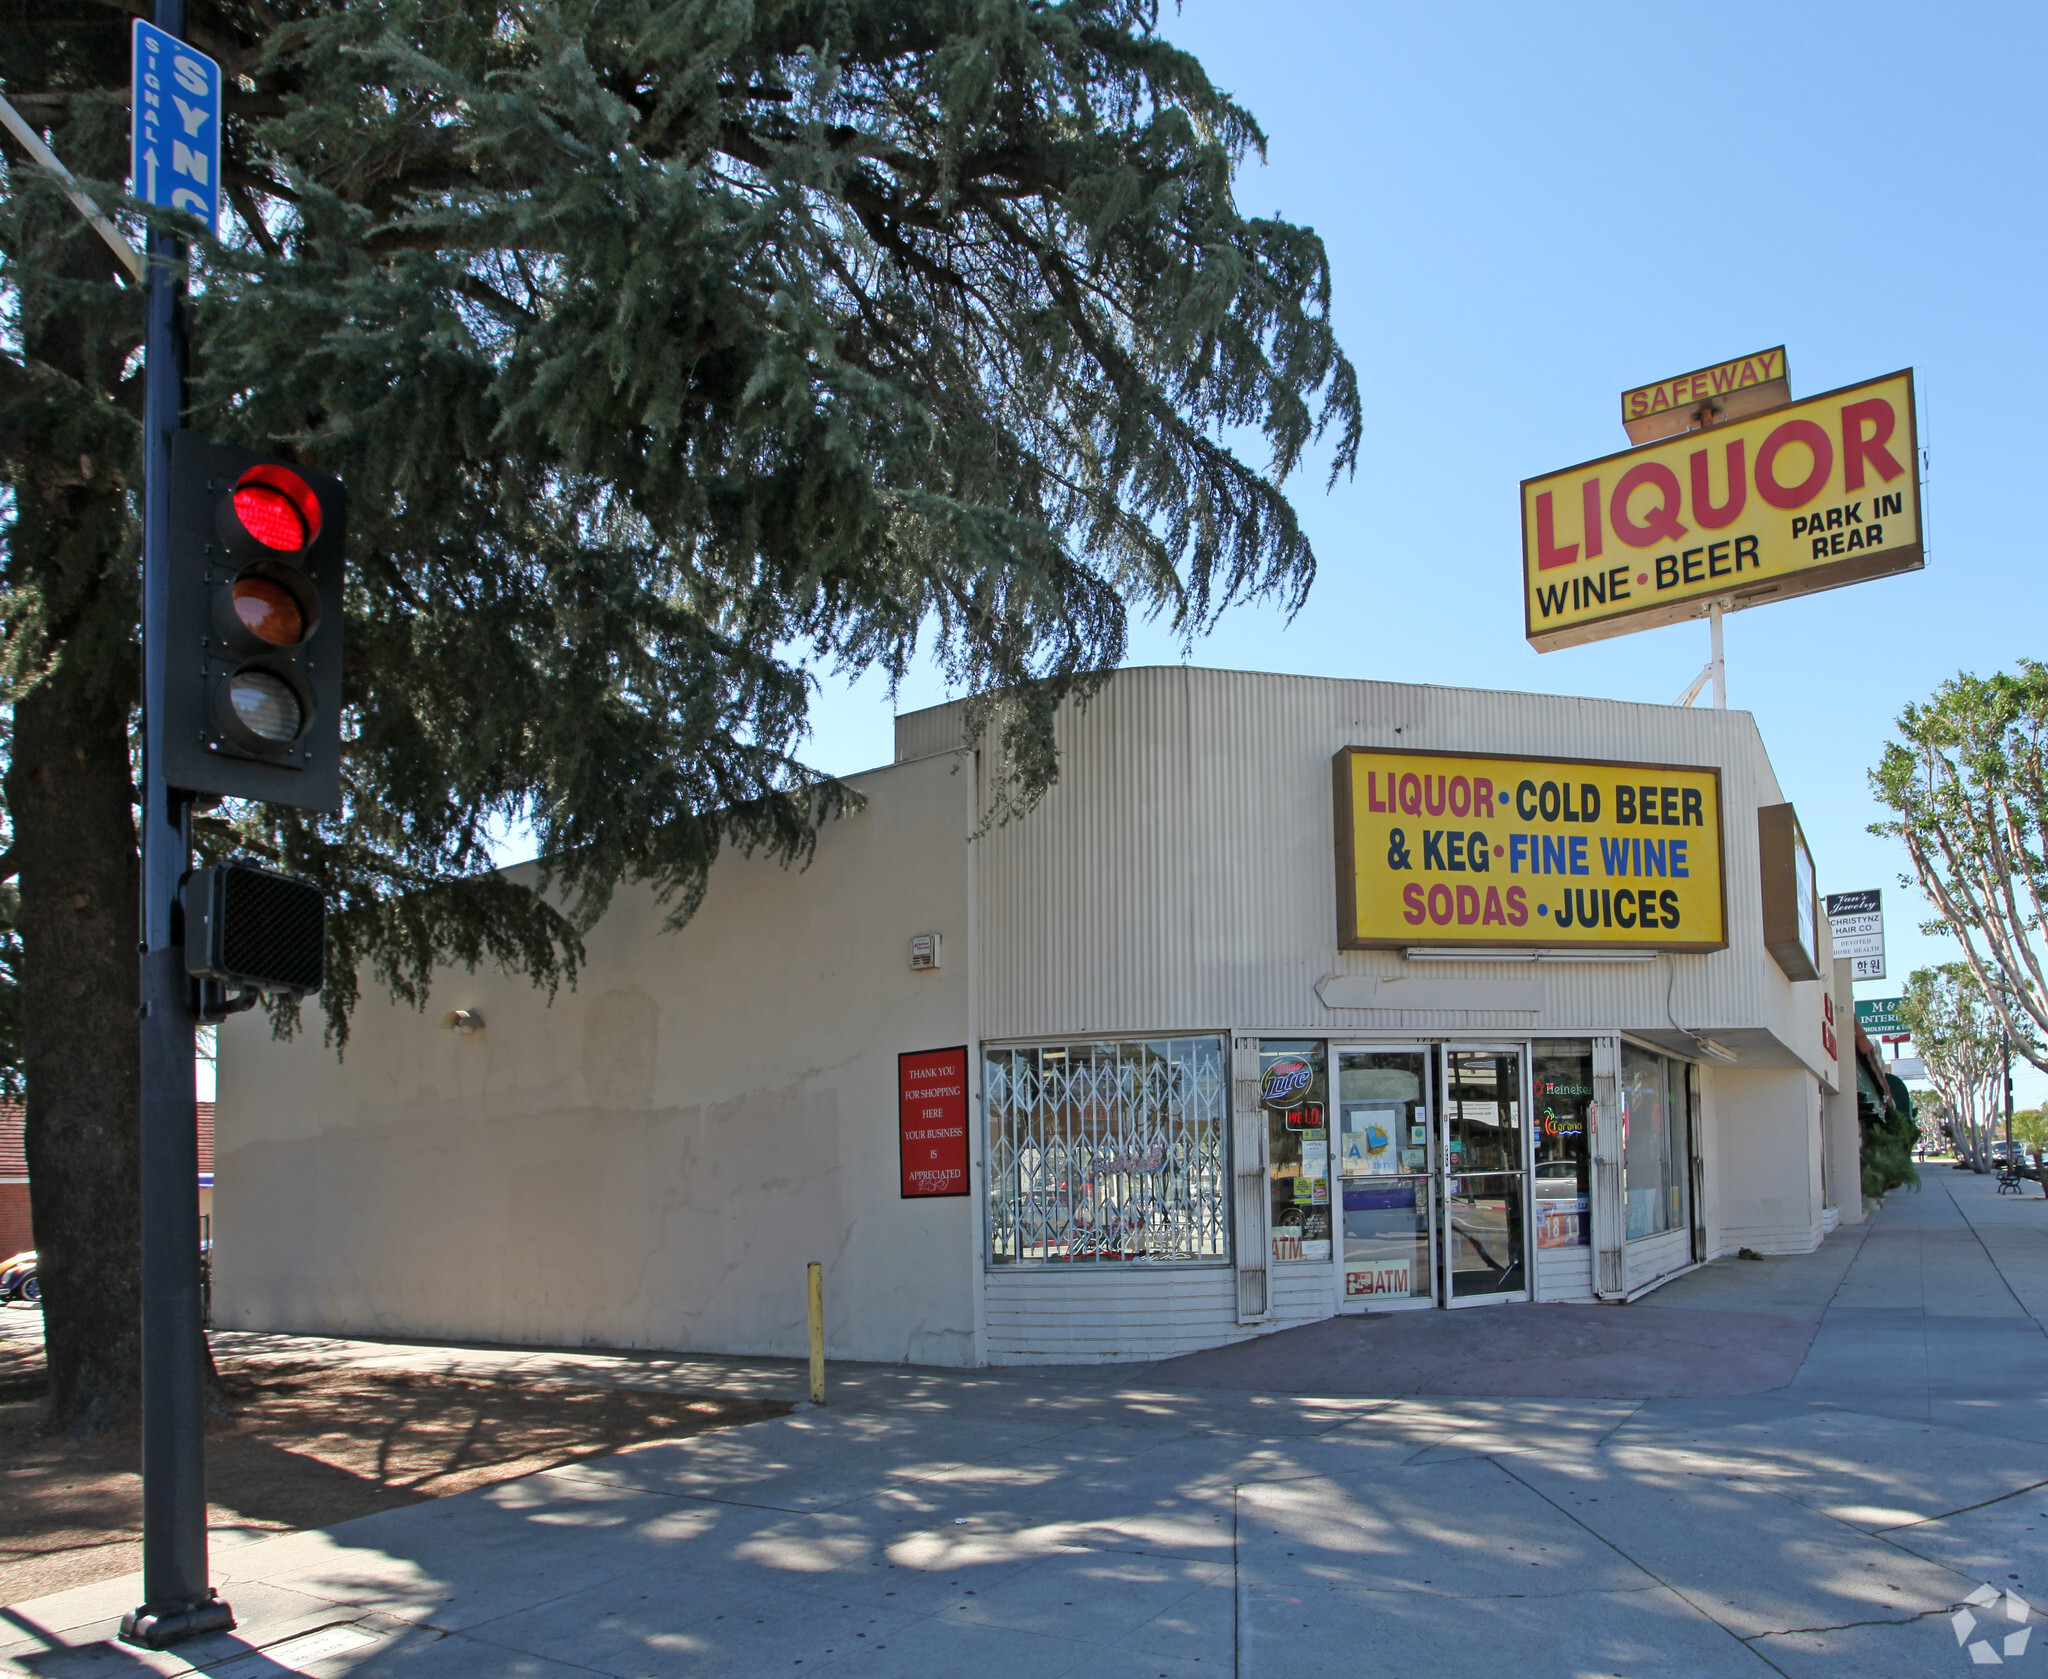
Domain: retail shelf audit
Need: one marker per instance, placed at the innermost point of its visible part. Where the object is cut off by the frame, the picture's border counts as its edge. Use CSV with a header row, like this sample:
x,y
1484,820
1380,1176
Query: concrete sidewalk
x,y
1132,1523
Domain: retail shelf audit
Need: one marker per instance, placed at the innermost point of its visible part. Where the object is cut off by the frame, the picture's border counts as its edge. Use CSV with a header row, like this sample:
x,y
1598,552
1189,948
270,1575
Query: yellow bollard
x,y
817,1333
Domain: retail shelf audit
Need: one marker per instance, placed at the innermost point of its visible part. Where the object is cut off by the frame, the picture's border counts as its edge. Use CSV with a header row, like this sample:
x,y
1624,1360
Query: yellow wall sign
x,y
1456,848
1809,496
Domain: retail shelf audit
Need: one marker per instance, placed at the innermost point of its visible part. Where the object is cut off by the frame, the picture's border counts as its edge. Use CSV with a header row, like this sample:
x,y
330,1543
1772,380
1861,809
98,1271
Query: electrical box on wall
x,y
924,952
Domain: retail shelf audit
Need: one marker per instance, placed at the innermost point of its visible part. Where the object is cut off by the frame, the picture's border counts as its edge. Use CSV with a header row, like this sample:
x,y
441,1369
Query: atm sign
x,y
1380,1279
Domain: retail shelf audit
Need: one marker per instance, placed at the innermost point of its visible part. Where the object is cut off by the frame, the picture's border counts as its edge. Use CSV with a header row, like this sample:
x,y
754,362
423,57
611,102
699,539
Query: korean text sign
x,y
931,1090
1467,849
175,139
1809,496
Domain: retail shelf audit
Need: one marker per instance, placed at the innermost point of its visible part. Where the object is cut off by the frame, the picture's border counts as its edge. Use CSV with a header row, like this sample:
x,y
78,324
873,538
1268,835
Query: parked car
x,y
18,1278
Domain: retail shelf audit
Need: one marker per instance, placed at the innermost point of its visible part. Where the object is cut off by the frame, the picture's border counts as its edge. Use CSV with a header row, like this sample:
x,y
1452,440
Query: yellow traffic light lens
x,y
271,516
267,609
266,705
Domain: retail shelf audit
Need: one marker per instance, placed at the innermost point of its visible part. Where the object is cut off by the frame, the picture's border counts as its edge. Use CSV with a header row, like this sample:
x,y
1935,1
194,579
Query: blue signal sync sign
x,y
175,150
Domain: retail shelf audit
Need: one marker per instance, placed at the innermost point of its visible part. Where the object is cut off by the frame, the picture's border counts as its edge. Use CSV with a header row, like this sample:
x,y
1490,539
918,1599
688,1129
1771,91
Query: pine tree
x,y
670,351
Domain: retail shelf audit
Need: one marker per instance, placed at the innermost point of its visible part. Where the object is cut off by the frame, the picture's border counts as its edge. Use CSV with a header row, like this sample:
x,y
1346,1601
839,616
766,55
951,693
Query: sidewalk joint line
x,y
1649,1573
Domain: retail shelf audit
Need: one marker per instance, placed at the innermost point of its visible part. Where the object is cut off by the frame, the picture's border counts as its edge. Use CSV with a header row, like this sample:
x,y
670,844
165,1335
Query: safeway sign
x,y
174,143
1808,496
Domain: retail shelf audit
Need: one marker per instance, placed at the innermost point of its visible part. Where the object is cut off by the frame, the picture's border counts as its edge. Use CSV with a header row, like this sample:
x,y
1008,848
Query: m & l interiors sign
x,y
1463,849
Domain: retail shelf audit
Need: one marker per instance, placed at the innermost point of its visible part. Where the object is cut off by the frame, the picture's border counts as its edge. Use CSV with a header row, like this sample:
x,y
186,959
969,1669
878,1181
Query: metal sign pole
x,y
1716,660
2005,1050
177,1601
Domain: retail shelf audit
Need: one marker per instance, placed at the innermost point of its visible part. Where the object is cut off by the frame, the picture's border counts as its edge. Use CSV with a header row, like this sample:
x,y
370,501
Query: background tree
x,y
1957,1033
1968,787
670,349
2030,1126
1931,1115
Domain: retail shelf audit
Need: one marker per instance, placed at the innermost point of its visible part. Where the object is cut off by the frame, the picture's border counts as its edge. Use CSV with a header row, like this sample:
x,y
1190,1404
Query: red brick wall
x,y
14,1227
15,1234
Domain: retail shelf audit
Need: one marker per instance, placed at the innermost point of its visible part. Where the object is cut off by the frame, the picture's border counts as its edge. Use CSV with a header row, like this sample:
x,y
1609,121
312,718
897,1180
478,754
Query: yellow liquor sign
x,y
1800,498
1458,848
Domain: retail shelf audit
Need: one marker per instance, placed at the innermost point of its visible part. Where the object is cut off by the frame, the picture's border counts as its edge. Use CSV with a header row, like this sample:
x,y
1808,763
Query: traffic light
x,y
252,701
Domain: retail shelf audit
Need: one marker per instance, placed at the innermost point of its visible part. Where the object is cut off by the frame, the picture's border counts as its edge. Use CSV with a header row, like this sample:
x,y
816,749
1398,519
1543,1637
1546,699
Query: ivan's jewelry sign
x,y
1456,848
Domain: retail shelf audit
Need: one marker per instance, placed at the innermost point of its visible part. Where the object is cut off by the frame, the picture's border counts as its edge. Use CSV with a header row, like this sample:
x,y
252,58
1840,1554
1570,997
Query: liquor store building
x,y
1293,997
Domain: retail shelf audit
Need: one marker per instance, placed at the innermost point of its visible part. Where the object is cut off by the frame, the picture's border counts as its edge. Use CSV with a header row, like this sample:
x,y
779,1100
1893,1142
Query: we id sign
x,y
175,151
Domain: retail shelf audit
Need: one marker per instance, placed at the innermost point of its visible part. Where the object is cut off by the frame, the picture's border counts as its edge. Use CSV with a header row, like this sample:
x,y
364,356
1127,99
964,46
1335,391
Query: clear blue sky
x,y
1529,210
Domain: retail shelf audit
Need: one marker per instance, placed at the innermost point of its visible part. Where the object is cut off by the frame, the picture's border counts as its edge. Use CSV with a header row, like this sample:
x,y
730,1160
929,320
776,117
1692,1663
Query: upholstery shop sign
x,y
1805,497
1462,849
931,1106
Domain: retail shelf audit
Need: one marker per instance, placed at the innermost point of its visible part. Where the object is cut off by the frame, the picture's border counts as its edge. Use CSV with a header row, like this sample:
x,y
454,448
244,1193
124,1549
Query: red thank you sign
x,y
931,1089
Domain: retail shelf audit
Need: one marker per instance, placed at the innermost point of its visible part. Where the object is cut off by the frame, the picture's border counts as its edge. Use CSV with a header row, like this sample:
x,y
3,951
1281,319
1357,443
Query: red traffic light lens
x,y
269,516
267,609
278,508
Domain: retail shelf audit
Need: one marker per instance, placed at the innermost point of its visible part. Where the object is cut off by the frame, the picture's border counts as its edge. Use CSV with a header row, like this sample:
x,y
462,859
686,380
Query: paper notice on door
x,y
1369,1132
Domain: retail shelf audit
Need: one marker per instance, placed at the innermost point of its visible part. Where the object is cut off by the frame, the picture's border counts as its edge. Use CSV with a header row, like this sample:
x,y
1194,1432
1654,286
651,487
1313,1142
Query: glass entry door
x,y
1483,1174
1387,1237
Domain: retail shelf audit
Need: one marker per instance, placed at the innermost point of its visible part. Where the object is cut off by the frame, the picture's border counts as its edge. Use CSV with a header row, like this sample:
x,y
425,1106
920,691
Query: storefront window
x,y
1294,1089
1656,1127
1108,1152
1563,1089
1382,1166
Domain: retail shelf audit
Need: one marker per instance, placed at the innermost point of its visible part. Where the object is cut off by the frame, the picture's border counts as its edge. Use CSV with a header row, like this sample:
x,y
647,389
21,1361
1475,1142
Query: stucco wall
x,y
1763,1166
1842,1148
651,1160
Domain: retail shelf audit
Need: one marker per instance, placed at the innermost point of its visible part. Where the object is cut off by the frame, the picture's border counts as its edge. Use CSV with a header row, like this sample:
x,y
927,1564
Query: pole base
x,y
159,1626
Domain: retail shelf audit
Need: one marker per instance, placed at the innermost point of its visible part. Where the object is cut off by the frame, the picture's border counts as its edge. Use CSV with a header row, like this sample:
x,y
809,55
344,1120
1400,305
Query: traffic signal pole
x,y
177,1602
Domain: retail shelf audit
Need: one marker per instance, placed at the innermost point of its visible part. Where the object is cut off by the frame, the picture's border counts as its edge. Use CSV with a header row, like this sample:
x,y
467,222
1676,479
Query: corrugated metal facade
x,y
1106,1313
1564,1273
1181,877
1181,874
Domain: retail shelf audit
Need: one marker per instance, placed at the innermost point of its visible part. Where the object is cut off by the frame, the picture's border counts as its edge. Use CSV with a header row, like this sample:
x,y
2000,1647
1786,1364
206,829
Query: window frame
x,y
1222,1218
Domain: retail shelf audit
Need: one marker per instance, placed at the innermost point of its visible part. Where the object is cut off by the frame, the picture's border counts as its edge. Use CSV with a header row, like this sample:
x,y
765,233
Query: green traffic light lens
x,y
266,705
